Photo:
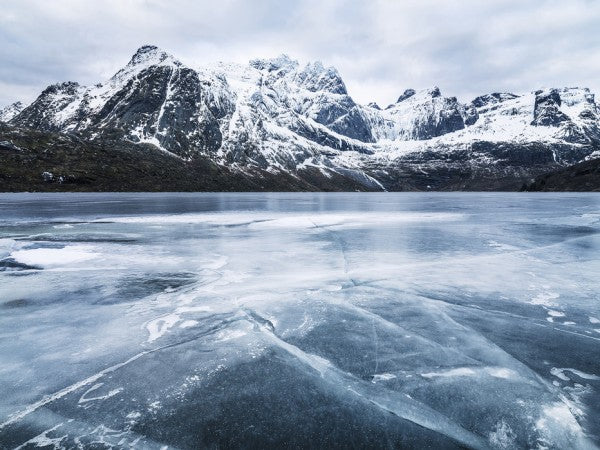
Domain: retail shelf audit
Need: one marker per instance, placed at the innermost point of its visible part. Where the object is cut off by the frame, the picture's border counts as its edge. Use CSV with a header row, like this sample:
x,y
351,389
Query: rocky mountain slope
x,y
35,160
277,119
583,176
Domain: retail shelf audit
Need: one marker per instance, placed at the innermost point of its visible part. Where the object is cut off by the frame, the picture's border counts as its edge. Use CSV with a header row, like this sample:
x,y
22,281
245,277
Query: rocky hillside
x,y
49,161
584,176
299,127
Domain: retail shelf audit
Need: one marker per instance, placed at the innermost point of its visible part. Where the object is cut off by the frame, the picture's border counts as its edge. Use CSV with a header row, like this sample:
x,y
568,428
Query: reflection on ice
x,y
400,320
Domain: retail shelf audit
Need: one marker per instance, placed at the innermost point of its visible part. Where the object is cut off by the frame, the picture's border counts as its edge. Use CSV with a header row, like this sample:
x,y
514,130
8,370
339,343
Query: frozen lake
x,y
312,320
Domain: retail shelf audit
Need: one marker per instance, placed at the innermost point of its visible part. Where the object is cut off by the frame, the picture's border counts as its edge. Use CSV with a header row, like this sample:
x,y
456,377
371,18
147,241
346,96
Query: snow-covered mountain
x,y
10,111
419,116
278,116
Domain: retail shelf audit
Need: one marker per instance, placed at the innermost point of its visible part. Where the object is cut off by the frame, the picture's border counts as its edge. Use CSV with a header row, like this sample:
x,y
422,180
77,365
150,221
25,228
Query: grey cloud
x,y
380,47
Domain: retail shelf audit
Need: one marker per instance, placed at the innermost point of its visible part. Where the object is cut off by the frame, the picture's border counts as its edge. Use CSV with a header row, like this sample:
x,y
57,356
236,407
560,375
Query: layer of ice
x,y
301,319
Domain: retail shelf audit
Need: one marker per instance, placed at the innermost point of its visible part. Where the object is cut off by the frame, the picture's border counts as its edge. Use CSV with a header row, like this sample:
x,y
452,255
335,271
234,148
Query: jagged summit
x,y
66,87
434,92
145,49
422,115
492,99
407,94
417,95
315,77
281,62
10,111
149,54
146,57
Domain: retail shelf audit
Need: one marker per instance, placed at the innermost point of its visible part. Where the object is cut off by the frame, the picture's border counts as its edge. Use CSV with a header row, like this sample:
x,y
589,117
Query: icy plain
x,y
300,320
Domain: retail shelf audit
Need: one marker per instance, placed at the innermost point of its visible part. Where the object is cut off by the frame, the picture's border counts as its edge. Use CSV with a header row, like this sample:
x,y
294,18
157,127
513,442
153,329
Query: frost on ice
x,y
277,318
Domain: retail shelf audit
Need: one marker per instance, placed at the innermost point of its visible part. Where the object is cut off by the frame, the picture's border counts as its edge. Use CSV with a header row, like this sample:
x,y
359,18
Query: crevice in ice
x,y
342,246
84,398
423,340
47,399
376,342
69,389
392,402
43,440
530,320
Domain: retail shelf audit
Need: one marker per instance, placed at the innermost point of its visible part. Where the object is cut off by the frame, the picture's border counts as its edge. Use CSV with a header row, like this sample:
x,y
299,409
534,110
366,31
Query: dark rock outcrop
x,y
407,94
547,111
583,176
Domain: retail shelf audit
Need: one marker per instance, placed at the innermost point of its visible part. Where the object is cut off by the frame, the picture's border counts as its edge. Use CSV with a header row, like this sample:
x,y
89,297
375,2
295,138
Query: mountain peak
x,y
16,105
492,99
420,95
434,92
150,54
10,111
407,94
315,77
146,56
147,48
66,87
282,61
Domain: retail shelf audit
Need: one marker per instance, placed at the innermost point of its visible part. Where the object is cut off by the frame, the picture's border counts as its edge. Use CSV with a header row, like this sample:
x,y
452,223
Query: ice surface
x,y
269,320
53,256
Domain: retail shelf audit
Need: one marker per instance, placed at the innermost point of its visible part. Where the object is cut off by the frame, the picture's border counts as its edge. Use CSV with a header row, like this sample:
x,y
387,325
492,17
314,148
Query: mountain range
x,y
274,124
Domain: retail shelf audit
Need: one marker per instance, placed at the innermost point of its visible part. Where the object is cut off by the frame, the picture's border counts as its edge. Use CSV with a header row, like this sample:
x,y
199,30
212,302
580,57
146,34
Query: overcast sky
x,y
380,47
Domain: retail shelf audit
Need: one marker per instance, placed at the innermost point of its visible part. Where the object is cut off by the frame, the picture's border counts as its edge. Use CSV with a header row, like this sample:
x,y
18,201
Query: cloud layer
x,y
380,47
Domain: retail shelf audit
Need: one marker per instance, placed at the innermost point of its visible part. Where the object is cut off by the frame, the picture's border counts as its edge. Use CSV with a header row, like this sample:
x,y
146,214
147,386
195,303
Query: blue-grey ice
x,y
300,320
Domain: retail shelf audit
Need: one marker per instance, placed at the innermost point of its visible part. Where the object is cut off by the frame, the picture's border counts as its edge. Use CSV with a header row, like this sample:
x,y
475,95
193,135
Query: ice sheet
x,y
441,320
